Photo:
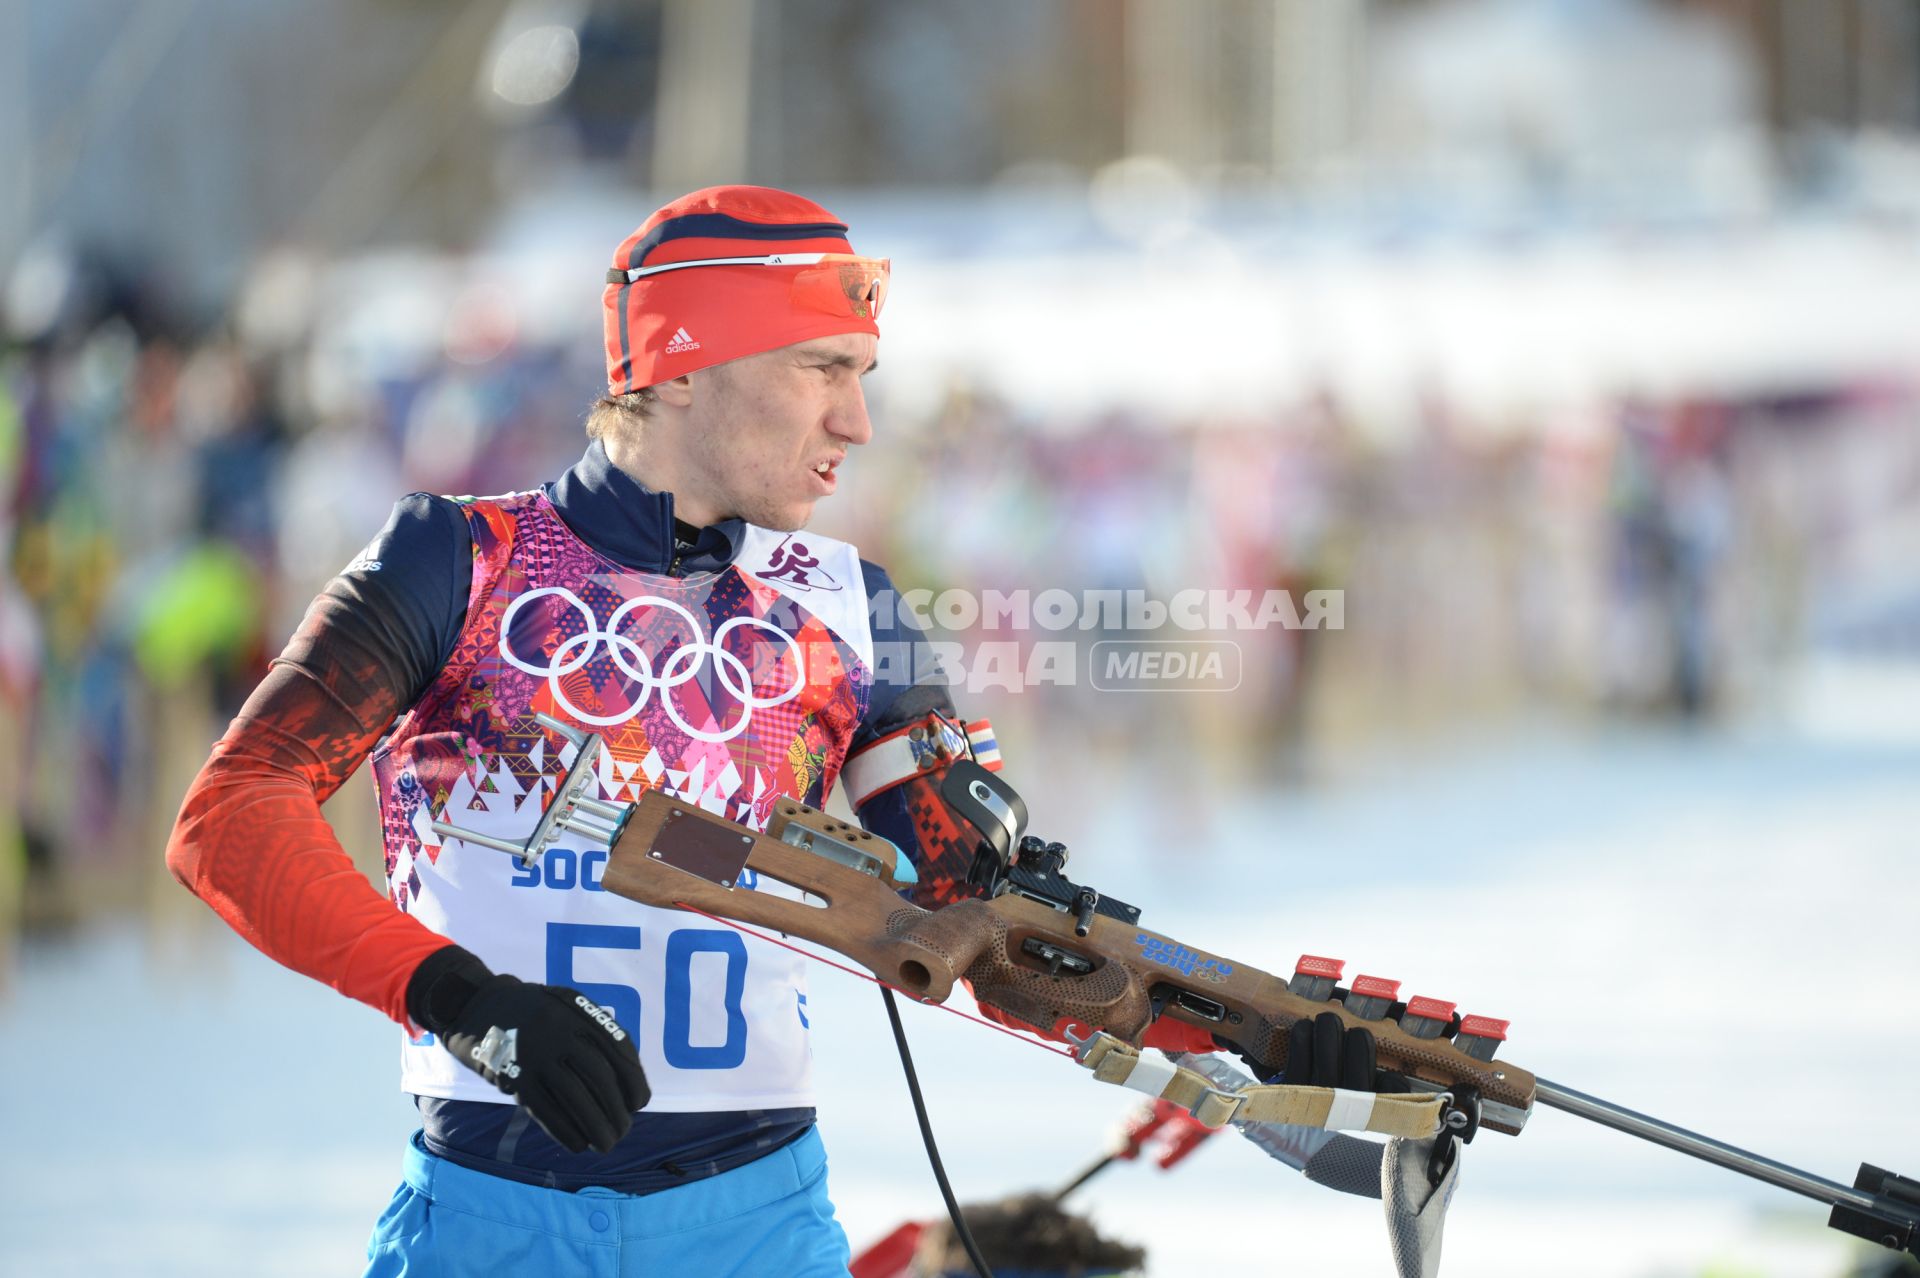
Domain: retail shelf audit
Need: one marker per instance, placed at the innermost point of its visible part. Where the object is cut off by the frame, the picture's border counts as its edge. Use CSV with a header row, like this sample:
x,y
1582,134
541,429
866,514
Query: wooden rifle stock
x,y
1020,956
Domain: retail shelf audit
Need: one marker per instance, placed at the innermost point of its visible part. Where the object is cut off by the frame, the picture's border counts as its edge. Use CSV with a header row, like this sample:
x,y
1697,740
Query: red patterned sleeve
x,y
250,840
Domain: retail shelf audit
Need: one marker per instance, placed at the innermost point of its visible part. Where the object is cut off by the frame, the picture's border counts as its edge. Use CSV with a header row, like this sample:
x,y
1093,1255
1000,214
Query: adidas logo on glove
x,y
602,1015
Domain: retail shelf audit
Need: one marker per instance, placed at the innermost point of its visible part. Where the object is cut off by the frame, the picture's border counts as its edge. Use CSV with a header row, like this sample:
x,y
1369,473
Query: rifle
x,y
1055,954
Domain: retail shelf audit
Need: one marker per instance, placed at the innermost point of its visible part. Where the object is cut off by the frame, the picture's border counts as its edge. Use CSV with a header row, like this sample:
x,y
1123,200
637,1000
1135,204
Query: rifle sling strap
x,y
1332,1108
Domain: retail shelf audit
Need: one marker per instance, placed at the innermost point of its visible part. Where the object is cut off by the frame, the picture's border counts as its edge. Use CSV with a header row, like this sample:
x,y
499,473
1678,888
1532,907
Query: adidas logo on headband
x,y
682,341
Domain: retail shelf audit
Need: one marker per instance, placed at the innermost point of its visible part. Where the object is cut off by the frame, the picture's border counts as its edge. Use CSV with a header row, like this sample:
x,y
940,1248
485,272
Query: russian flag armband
x,y
927,745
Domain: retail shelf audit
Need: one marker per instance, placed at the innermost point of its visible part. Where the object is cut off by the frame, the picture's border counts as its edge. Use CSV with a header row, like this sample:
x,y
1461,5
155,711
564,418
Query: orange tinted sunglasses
x,y
837,283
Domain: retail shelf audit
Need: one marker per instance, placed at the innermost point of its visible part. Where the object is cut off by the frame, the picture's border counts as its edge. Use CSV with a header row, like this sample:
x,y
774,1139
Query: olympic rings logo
x,y
682,667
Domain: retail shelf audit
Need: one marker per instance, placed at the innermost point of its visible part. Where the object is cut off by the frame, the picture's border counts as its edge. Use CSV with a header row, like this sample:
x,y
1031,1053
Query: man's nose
x,y
849,420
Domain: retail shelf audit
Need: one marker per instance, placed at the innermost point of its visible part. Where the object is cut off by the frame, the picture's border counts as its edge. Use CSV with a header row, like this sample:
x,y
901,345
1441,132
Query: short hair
x,y
614,413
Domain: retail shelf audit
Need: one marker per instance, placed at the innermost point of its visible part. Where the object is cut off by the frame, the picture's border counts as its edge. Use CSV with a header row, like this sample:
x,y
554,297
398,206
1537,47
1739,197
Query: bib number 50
x,y
676,1021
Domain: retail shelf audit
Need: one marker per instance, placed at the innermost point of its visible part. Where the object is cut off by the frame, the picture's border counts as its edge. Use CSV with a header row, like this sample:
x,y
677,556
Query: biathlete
x,y
604,1088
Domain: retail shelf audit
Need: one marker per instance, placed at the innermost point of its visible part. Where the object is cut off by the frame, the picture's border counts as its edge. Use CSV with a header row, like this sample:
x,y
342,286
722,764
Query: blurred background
x,y
1575,340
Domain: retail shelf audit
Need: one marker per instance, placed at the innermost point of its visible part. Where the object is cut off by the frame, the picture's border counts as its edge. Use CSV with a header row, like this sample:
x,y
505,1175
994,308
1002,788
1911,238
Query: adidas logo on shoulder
x,y
682,341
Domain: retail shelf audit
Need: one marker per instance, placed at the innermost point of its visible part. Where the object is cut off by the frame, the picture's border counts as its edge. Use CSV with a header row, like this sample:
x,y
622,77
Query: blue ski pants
x,y
769,1217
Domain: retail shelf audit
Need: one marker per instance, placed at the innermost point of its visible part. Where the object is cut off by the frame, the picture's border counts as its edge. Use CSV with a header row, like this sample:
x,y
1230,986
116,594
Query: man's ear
x,y
677,391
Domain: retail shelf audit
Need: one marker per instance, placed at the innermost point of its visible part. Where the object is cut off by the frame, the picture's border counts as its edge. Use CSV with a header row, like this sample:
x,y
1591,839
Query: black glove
x,y
562,1056
1323,1052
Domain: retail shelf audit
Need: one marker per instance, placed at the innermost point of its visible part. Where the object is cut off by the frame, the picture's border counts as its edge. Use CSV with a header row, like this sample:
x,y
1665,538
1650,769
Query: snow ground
x,y
1714,928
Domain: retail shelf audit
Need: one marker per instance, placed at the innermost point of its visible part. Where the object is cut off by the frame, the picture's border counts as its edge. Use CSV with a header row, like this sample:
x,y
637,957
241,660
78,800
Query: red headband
x,y
661,324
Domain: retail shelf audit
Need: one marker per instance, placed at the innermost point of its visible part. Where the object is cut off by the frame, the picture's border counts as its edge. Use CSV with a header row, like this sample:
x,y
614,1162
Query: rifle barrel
x,y
1719,1153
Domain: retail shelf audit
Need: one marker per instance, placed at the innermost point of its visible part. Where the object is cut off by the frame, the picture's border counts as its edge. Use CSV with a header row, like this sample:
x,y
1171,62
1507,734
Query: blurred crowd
x,y
1666,558
177,487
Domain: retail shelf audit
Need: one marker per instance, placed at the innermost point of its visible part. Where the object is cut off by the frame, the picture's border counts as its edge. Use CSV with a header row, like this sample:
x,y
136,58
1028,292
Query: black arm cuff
x,y
439,989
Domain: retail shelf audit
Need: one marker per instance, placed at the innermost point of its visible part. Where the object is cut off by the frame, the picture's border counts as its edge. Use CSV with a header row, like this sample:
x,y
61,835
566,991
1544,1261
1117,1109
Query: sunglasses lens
x,y
852,286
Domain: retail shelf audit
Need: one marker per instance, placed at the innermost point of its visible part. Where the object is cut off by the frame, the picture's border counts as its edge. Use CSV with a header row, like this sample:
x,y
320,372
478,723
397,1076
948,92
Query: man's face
x,y
761,429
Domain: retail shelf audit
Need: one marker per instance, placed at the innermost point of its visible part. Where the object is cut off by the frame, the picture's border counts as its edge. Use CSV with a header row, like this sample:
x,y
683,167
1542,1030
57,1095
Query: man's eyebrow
x,y
835,358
